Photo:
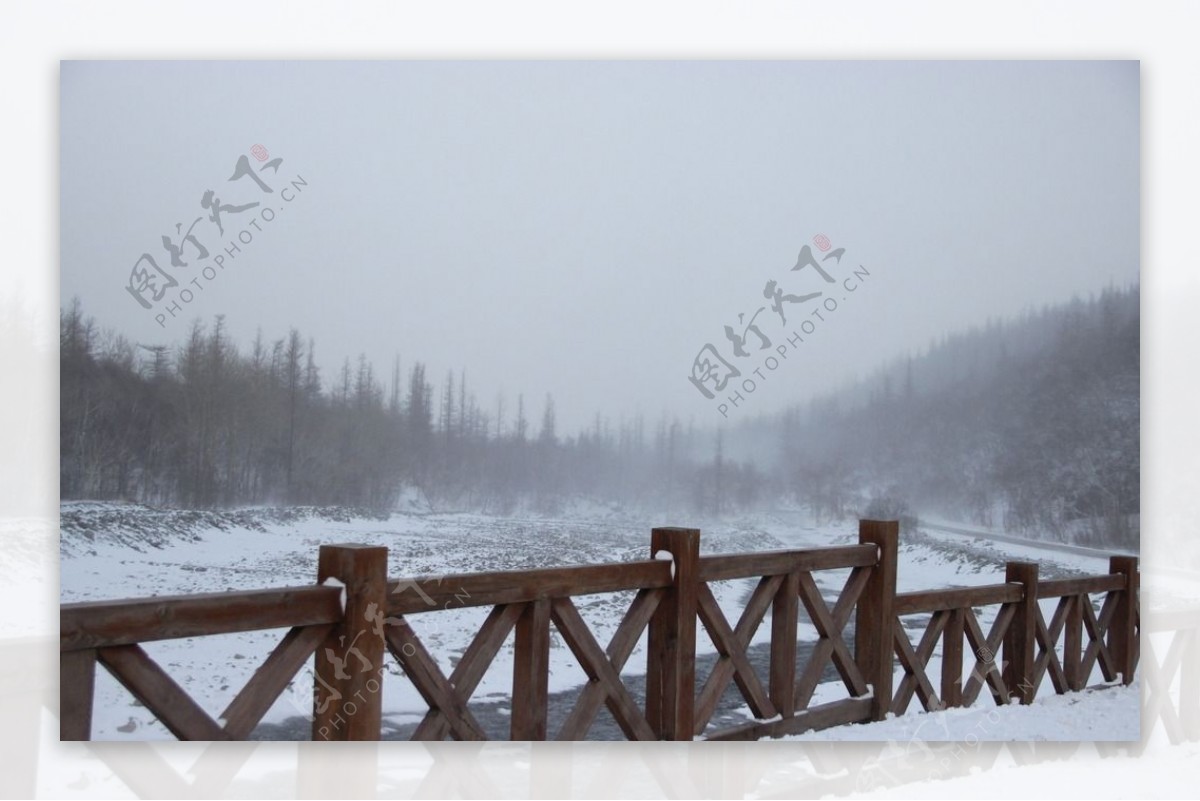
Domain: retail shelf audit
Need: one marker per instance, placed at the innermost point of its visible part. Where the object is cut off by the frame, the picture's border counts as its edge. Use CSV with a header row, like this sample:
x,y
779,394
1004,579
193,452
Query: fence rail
x,y
347,632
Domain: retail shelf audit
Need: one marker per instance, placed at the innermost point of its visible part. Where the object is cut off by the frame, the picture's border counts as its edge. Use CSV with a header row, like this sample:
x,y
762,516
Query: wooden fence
x,y
354,619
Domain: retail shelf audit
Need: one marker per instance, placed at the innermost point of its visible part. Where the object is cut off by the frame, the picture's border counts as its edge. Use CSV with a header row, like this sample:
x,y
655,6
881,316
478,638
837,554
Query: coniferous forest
x,y
1028,424
210,423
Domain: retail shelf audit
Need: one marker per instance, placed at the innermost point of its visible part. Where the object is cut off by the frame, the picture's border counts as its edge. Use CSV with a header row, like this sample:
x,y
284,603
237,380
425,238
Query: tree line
x,y
210,424
1030,425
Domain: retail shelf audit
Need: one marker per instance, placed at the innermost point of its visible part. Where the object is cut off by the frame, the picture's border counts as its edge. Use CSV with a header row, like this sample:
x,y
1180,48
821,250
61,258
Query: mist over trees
x,y
208,424
1030,425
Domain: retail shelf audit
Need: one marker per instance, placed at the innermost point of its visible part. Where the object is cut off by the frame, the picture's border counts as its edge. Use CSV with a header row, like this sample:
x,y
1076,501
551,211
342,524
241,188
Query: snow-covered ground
x,y
1091,715
113,551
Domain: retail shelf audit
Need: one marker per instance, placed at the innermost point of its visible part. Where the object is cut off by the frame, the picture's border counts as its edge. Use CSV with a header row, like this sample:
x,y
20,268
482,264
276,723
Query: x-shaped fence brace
x,y
985,650
732,644
448,697
146,680
831,645
732,660
1074,676
915,662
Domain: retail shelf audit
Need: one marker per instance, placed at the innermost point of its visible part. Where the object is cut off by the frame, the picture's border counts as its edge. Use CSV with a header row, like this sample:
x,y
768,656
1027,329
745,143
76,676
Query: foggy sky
x,y
585,228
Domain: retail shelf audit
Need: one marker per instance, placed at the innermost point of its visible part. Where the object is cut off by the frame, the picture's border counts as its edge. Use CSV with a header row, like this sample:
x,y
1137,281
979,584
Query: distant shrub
x,y
889,507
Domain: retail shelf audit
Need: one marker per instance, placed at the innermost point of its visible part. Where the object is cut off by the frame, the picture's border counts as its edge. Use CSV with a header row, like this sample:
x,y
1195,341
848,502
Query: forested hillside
x,y
1029,425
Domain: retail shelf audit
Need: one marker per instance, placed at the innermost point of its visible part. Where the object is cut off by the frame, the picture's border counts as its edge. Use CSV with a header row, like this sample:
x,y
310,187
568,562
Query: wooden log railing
x,y
354,619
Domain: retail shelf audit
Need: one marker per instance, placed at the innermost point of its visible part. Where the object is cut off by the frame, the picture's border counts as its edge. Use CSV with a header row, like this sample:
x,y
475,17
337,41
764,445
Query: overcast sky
x,y
586,228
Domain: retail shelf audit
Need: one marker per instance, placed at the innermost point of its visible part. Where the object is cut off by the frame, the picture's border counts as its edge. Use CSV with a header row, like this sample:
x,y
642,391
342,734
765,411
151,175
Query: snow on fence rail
x,y
354,618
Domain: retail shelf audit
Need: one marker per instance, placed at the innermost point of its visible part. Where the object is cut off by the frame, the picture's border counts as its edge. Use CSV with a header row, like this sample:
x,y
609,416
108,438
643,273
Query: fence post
x,y
671,655
1122,636
1020,640
1073,643
531,672
952,658
76,688
347,688
785,610
875,622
